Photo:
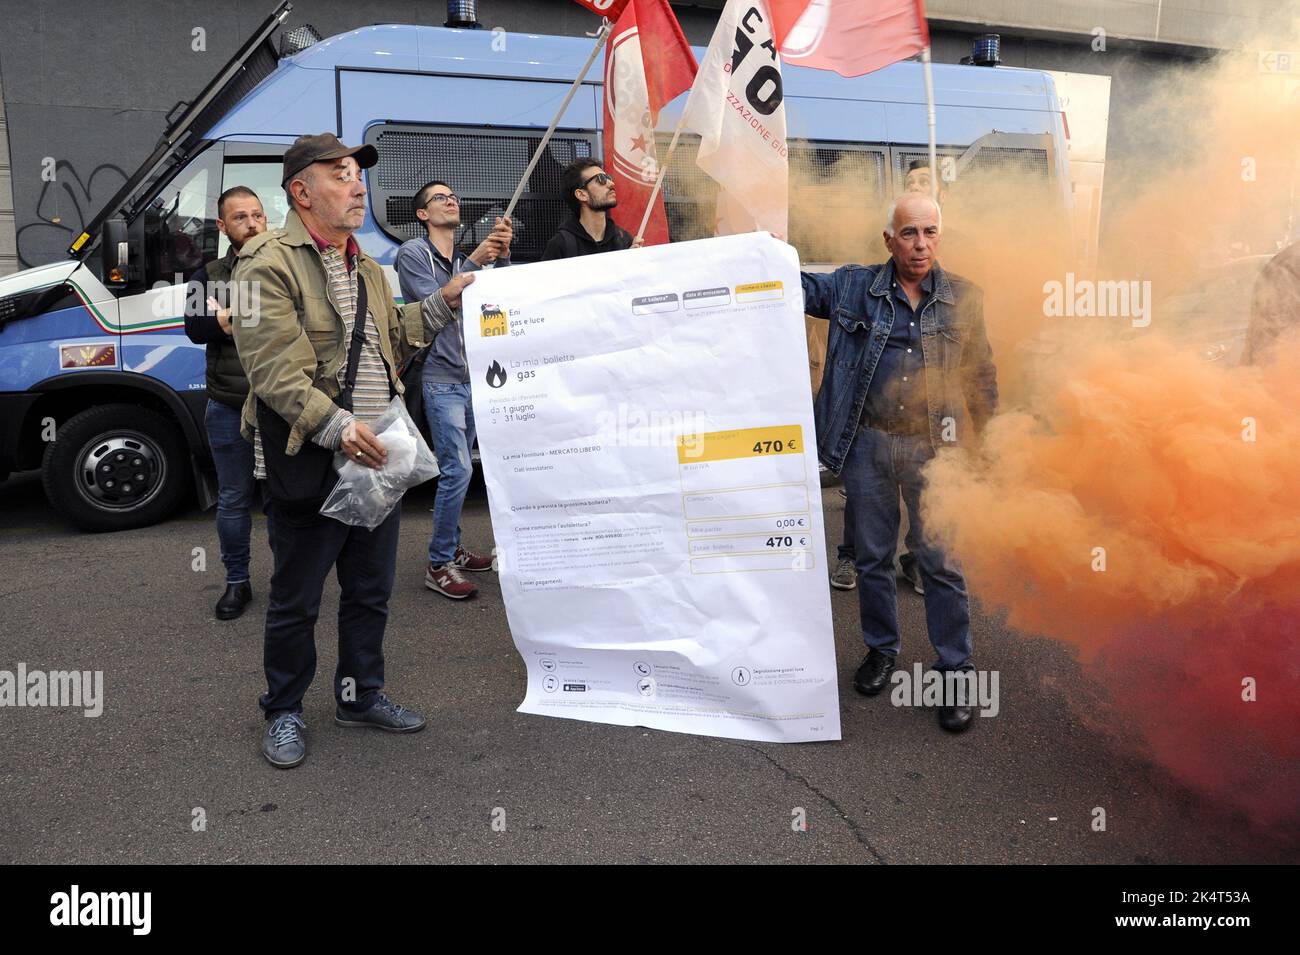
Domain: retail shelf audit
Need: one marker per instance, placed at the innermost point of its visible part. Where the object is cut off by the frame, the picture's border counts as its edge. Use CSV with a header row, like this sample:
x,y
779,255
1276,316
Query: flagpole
x,y
663,171
929,116
601,34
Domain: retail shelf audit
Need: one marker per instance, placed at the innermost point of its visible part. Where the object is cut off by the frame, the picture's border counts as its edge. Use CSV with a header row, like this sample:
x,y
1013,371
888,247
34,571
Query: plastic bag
x,y
364,497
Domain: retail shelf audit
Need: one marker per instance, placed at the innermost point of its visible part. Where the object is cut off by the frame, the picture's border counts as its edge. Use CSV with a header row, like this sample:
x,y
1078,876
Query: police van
x,y
100,388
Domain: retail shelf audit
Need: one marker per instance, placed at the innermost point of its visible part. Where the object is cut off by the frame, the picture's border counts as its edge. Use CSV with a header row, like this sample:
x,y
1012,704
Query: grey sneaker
x,y
385,714
845,576
283,744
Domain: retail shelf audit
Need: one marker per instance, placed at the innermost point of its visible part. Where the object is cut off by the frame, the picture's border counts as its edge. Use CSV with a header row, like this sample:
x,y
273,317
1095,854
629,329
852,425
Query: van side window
x,y
838,192
838,195
261,174
483,166
180,225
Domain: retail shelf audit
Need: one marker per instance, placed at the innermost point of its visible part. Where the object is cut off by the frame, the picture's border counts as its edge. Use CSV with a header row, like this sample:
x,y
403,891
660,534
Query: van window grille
x,y
482,167
824,177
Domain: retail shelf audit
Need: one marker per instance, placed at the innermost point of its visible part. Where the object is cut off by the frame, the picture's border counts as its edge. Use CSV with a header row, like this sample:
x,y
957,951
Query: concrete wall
x,y
86,85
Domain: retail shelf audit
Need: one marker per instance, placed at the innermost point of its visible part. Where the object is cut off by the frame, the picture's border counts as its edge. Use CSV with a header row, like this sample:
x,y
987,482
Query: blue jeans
x,y
451,423
877,468
233,457
845,550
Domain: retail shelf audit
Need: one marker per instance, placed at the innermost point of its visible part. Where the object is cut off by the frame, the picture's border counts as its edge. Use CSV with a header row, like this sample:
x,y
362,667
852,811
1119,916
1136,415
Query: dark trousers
x,y
880,466
305,546
233,457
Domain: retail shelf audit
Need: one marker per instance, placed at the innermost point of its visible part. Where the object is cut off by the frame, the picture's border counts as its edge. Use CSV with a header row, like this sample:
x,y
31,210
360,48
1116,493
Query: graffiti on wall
x,y
63,208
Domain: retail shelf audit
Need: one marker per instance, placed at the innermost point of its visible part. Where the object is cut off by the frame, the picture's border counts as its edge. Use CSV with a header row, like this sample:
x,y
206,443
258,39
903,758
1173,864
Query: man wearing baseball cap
x,y
316,383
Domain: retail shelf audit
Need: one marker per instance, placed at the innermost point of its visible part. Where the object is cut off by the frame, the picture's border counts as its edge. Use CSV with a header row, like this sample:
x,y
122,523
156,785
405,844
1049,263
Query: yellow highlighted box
x,y
759,292
742,443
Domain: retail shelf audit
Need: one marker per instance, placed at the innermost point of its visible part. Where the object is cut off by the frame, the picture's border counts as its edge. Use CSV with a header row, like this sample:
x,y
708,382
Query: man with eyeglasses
x,y
590,193
432,265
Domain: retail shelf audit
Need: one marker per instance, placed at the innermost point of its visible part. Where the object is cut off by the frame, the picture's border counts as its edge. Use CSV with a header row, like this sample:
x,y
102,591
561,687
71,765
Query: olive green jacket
x,y
290,337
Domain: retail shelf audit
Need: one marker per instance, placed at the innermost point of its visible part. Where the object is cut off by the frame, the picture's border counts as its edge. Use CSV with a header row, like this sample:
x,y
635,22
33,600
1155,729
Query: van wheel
x,y
115,467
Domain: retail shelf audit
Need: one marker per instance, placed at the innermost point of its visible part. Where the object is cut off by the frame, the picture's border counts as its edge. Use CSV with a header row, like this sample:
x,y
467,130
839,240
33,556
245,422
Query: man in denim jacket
x,y
908,371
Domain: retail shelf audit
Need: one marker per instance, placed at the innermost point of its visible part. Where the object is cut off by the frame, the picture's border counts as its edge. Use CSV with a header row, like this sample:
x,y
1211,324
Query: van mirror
x,y
115,249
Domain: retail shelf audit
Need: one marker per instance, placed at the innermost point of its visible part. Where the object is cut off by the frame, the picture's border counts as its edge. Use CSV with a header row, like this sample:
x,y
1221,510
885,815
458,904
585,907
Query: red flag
x,y
647,63
851,37
606,8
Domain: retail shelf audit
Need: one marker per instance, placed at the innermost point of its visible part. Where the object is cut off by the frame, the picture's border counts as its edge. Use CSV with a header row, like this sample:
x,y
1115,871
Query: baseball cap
x,y
309,149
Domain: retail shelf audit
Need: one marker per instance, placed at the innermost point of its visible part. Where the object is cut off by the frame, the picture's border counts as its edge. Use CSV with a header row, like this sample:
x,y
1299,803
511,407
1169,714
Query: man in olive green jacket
x,y
297,292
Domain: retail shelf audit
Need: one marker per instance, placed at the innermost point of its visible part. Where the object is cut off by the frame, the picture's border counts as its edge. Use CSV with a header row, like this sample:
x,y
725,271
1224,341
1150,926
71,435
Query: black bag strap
x,y
355,345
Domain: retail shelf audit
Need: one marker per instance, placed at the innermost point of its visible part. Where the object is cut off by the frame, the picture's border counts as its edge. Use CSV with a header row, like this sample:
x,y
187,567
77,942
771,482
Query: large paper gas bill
x,y
646,433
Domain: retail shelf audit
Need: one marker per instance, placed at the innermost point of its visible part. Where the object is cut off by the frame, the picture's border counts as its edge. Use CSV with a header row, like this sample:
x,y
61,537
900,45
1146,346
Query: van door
x,y
180,234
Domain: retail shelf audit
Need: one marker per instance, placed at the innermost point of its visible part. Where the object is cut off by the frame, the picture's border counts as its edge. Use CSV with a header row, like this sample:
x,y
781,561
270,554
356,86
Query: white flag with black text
x,y
737,107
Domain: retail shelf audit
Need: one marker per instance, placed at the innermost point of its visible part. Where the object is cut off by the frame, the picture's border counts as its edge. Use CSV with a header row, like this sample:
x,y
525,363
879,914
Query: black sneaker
x,y
283,743
383,714
873,674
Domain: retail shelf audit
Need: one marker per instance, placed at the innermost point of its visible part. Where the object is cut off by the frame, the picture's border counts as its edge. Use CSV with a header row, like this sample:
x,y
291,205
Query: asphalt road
x,y
180,728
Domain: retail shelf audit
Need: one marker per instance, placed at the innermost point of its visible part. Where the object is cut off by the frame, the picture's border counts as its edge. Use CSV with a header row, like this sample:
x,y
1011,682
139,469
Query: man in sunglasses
x,y
426,265
590,194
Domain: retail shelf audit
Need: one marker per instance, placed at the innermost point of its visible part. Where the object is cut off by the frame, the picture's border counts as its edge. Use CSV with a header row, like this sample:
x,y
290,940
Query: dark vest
x,y
227,382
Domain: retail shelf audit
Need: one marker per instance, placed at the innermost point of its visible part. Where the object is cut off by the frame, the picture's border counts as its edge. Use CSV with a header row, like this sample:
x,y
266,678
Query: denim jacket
x,y
961,382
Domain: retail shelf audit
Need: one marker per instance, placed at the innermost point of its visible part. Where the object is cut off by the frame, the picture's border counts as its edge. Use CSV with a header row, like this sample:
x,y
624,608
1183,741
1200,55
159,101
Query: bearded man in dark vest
x,y
207,322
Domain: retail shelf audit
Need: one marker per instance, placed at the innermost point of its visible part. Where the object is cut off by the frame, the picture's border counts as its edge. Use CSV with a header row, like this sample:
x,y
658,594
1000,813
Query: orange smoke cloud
x,y
1149,517
1177,479
1134,500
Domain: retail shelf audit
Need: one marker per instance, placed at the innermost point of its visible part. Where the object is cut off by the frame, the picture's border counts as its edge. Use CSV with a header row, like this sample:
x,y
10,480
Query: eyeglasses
x,y
444,197
601,179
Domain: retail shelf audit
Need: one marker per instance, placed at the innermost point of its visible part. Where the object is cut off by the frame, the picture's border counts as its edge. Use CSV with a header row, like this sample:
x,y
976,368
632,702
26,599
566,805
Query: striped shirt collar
x,y
353,250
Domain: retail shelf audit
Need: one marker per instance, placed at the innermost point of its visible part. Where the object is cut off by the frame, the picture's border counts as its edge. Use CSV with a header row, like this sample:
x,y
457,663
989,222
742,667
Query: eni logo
x,y
493,321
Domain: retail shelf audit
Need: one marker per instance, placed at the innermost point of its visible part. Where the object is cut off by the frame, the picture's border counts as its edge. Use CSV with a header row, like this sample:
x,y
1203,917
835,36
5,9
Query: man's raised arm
x,y
818,293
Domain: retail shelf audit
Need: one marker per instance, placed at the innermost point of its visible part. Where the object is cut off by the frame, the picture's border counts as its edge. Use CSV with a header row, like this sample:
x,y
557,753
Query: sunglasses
x,y
600,179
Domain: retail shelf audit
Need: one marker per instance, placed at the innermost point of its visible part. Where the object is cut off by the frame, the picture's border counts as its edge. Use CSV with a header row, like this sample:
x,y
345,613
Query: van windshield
x,y
180,225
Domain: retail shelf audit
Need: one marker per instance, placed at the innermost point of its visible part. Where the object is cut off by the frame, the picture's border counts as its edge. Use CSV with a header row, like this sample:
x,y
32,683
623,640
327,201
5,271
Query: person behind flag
x,y
908,371
590,194
960,250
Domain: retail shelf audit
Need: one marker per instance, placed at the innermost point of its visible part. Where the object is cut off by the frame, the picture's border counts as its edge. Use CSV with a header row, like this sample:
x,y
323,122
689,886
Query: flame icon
x,y
496,375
